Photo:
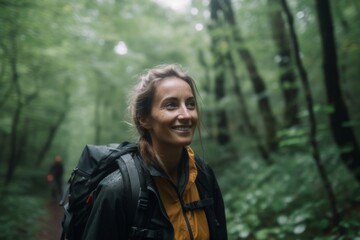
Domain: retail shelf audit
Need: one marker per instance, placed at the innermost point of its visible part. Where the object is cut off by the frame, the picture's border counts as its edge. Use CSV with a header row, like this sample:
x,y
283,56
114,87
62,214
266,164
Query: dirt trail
x,y
51,222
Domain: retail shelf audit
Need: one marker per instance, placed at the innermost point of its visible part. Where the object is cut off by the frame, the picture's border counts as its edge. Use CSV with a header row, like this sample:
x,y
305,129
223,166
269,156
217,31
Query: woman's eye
x,y
170,105
191,105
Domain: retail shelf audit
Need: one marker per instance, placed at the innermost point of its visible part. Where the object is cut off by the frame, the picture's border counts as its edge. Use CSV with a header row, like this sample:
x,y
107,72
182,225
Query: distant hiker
x,y
55,176
157,188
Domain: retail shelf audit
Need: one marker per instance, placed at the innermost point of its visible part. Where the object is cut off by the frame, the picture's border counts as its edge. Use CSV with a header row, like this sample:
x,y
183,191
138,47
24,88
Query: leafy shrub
x,y
22,206
287,201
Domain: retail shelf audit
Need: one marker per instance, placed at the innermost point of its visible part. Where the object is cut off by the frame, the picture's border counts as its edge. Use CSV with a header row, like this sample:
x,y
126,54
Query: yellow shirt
x,y
170,199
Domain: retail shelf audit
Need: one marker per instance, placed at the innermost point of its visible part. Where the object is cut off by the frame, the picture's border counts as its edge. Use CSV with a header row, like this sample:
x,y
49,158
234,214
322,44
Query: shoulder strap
x,y
134,178
207,185
139,202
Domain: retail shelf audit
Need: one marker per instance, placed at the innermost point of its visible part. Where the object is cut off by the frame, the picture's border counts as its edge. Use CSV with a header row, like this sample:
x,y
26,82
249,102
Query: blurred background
x,y
278,81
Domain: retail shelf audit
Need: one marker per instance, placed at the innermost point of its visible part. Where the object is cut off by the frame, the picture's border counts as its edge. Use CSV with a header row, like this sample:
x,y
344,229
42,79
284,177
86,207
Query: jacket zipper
x,y
184,211
185,216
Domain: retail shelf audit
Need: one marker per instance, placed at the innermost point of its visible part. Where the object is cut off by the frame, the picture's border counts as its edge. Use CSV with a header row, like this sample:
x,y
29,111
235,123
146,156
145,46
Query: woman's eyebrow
x,y
176,98
170,99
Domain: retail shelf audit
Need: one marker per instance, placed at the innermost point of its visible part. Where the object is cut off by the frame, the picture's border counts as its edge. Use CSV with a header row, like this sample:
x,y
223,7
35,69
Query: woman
x,y
165,113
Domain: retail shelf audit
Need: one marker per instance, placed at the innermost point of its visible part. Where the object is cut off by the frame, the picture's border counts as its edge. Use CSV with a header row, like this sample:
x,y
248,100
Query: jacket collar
x,y
187,169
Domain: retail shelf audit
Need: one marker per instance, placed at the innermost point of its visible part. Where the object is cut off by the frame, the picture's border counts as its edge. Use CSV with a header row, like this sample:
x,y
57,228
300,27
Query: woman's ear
x,y
145,122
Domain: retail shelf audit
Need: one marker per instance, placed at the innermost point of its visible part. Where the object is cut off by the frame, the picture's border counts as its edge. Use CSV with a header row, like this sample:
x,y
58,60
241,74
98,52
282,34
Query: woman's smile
x,y
182,128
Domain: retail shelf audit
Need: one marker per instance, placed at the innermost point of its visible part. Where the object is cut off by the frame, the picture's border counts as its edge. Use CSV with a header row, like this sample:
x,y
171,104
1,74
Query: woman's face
x,y
173,116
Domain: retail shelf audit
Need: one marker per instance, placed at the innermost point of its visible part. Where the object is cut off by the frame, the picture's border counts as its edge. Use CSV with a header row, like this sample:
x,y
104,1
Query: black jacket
x,y
110,216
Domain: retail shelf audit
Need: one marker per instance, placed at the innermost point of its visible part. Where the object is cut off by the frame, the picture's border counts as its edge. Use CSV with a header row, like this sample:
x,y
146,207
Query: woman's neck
x,y
170,158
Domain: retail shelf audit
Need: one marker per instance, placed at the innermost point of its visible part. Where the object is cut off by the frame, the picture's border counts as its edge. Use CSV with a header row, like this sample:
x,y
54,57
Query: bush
x,y
287,200
22,206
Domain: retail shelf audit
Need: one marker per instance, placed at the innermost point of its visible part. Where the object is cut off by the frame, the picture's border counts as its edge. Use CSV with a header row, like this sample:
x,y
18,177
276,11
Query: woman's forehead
x,y
172,87
172,83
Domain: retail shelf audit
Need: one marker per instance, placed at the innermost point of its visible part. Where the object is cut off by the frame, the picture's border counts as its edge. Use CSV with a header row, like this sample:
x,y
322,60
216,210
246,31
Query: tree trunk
x,y
10,89
50,138
245,114
3,149
15,143
349,98
343,135
23,141
256,80
223,136
284,60
312,120
208,116
12,161
263,100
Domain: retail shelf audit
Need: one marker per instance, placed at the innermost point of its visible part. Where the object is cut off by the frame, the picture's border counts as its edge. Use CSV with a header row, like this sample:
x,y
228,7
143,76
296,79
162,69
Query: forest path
x,y
51,222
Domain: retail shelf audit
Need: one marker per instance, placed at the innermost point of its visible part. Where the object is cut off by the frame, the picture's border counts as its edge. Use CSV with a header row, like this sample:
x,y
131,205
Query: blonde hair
x,y
142,98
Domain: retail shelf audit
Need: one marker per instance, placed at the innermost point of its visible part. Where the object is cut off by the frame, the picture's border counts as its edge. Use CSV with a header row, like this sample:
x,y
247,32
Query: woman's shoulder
x,y
119,182
202,164
112,185
205,171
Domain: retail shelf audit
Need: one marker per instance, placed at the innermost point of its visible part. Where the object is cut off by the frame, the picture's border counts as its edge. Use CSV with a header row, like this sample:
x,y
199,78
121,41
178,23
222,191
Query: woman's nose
x,y
184,113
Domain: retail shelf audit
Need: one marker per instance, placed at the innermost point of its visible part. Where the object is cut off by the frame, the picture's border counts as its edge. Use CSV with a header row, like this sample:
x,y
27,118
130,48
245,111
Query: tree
x,y
339,118
245,114
287,77
21,98
32,81
53,129
312,120
269,120
221,55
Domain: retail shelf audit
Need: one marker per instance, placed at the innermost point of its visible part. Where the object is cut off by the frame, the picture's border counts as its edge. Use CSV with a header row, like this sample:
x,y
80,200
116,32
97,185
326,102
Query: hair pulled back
x,y
142,98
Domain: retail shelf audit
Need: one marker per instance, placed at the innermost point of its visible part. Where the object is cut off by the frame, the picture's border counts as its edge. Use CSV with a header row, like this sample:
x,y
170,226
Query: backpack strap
x,y
203,177
66,221
199,204
206,184
139,202
134,178
64,202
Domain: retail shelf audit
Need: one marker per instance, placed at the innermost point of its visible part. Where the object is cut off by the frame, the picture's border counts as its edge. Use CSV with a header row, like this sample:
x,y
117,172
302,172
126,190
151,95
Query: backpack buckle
x,y
143,202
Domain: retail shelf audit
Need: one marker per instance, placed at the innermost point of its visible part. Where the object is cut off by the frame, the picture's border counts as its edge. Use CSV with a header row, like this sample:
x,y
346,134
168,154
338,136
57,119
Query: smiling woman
x,y
163,92
185,199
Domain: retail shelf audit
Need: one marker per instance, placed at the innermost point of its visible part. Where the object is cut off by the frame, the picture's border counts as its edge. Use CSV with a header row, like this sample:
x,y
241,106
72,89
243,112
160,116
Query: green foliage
x,y
22,205
293,137
18,215
287,200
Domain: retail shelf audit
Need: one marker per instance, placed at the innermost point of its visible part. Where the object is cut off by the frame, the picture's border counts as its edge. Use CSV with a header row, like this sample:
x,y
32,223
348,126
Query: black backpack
x,y
97,162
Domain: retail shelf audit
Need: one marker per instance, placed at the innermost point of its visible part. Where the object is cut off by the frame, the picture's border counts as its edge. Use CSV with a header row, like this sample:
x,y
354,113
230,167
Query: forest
x,y
278,81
